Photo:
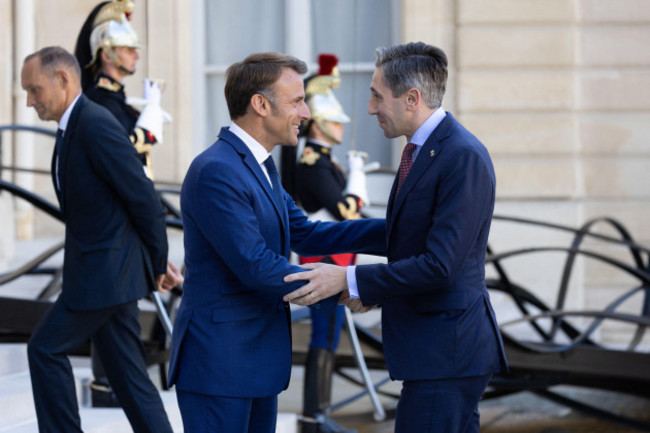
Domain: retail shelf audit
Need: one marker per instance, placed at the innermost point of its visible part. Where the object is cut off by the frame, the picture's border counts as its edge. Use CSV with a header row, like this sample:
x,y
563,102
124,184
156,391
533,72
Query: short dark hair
x,y
256,74
414,65
55,58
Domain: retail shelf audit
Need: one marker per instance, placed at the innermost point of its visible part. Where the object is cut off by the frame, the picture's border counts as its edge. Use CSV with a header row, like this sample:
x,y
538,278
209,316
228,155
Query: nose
x,y
30,101
304,112
372,108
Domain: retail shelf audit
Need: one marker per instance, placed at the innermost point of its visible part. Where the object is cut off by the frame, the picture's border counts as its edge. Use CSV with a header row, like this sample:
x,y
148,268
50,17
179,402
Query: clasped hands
x,y
324,280
166,282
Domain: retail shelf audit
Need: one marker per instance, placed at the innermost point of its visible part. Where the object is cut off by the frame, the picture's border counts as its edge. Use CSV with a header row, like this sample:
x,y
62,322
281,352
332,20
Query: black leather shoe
x,y
103,396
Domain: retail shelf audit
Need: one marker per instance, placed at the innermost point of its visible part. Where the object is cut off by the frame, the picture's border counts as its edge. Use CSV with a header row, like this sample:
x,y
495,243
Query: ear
x,y
413,99
63,78
260,104
105,59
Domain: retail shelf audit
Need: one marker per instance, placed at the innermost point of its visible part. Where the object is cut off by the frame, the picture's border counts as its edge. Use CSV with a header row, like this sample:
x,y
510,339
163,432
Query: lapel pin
x,y
433,152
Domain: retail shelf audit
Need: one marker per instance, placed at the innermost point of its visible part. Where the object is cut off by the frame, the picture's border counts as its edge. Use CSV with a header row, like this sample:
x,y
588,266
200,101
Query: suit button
x,y
281,306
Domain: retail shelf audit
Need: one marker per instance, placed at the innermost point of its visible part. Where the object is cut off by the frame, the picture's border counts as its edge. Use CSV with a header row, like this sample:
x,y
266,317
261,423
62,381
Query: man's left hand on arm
x,y
324,281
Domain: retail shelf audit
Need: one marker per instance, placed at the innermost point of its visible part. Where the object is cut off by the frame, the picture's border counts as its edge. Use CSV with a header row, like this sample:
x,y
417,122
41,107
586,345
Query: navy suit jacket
x,y
437,321
232,334
115,236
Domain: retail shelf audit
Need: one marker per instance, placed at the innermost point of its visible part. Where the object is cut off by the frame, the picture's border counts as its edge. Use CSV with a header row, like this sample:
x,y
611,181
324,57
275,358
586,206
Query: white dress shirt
x,y
258,151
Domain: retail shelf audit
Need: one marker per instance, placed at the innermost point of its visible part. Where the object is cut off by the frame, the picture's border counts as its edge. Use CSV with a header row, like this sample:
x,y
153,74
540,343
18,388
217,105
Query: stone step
x,y
13,358
16,403
103,420
17,413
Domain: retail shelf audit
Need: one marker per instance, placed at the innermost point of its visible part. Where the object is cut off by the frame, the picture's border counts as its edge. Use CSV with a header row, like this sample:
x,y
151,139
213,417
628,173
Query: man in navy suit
x,y
115,243
231,347
439,331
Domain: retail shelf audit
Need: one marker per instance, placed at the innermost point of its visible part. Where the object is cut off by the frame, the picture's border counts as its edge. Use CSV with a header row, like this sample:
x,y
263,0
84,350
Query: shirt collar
x,y
63,123
258,151
427,127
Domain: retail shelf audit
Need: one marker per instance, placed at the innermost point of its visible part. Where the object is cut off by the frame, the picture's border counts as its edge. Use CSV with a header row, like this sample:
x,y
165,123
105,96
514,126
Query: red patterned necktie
x,y
405,165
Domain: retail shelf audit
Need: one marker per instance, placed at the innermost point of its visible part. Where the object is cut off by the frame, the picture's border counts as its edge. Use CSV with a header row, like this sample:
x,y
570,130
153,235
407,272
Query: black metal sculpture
x,y
556,351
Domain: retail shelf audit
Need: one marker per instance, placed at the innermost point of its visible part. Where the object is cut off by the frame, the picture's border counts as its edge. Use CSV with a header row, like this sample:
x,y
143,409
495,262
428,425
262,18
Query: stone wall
x,y
559,91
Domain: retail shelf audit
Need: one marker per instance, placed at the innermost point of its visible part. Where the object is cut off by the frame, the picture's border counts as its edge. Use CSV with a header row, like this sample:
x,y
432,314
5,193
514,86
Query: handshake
x,y
325,280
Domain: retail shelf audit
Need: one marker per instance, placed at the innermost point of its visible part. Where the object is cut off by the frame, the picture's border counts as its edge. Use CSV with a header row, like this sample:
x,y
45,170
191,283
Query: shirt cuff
x,y
352,282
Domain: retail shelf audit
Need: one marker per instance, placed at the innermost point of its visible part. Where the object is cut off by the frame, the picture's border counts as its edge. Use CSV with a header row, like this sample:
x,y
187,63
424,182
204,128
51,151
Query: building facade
x,y
558,90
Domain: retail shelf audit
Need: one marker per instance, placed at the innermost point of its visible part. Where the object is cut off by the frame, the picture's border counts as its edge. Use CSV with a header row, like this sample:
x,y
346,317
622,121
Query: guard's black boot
x,y
317,394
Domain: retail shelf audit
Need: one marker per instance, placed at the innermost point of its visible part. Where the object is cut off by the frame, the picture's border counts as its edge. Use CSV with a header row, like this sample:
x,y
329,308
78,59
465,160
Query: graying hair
x,y
54,59
414,65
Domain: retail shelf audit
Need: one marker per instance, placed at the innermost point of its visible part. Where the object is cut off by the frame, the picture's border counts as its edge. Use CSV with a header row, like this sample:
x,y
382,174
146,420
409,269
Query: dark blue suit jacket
x,y
437,321
115,238
232,335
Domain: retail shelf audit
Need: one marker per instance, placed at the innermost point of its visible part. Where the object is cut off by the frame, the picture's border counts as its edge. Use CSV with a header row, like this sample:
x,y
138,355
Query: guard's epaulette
x,y
309,156
106,84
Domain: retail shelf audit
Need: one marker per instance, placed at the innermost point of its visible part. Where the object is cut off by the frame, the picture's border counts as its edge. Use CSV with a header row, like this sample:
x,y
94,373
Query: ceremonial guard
x,y
325,193
107,52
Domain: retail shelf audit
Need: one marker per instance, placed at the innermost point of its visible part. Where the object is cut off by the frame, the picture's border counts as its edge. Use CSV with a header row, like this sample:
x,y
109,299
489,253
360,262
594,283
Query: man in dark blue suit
x,y
231,347
439,331
115,243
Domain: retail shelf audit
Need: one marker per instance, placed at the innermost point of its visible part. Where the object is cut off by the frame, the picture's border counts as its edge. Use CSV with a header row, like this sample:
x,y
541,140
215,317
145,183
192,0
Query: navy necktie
x,y
57,145
275,178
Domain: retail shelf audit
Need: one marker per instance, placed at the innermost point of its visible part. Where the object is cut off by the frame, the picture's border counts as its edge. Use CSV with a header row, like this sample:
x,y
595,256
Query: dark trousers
x,y
440,406
210,414
115,332
326,329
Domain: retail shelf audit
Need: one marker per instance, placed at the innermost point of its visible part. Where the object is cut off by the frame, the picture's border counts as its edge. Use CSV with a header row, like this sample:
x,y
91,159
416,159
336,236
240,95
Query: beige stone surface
x,y
614,46
615,134
528,178
494,91
519,11
630,213
627,11
524,134
617,178
614,90
6,61
58,23
515,46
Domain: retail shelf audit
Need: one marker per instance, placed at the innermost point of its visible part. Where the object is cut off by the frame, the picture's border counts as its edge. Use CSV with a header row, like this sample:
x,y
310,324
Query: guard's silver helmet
x,y
111,28
320,99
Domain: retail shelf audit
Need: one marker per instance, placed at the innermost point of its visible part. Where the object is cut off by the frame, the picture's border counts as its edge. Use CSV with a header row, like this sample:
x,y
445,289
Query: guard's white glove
x,y
356,176
151,116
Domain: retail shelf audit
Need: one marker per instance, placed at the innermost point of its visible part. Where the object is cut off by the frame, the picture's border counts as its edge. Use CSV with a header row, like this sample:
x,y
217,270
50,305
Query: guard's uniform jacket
x,y
110,94
319,188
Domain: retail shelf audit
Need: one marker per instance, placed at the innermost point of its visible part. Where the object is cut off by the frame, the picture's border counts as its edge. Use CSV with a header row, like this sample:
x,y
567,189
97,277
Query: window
x,y
228,31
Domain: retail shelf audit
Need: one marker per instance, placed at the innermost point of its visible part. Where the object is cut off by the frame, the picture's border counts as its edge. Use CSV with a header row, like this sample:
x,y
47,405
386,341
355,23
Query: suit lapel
x,y
252,164
65,150
423,162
